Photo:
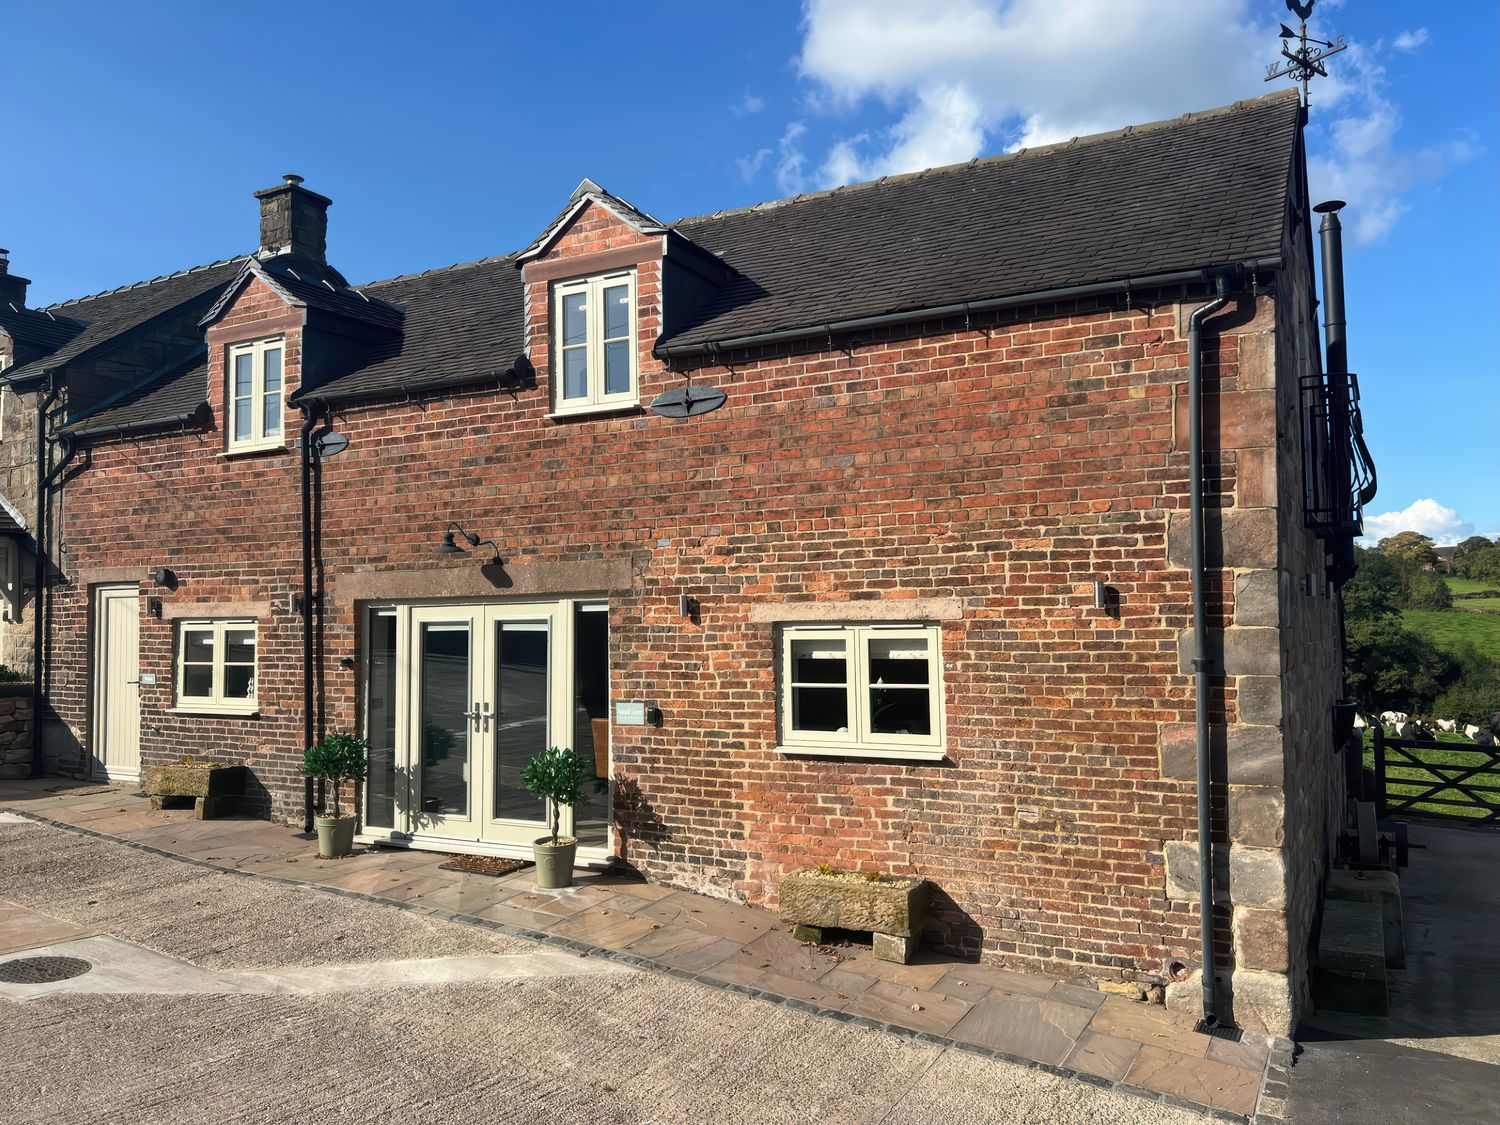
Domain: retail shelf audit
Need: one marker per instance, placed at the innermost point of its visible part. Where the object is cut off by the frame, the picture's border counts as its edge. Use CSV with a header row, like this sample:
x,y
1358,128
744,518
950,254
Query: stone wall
x,y
15,730
1278,660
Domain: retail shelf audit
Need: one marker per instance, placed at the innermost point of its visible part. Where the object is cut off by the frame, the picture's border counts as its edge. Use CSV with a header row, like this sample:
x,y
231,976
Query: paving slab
x,y
909,1007
27,929
1104,1055
1198,1080
1033,1029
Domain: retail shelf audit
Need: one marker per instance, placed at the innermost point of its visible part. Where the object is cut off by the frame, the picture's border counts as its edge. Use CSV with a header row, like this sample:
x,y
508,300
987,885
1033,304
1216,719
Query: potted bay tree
x,y
557,775
336,759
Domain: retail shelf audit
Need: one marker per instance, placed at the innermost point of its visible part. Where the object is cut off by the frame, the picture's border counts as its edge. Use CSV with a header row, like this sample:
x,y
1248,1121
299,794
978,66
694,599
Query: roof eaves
x,y
251,268
586,193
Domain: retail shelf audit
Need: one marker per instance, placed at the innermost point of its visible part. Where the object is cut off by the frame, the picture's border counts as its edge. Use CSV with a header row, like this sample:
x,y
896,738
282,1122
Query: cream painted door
x,y
117,702
486,696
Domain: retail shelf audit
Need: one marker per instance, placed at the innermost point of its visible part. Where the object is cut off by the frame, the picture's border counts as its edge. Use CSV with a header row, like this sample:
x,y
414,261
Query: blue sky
x,y
448,131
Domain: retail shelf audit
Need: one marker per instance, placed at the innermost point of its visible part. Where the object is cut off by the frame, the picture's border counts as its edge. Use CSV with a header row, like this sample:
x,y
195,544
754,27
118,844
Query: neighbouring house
x,y
851,528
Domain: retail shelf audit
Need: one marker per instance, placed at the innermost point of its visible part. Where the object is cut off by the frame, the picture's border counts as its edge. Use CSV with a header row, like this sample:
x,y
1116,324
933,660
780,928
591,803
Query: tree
x,y
1470,545
1390,668
1475,695
1426,590
1410,548
1376,587
1482,565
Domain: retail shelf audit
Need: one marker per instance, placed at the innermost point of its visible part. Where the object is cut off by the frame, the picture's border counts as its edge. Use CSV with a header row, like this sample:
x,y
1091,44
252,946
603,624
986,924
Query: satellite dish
x,y
687,402
330,444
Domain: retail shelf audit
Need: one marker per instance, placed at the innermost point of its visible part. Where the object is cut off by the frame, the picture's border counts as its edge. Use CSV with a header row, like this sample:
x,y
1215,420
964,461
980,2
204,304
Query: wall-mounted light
x,y
1107,598
164,576
687,607
153,608
449,547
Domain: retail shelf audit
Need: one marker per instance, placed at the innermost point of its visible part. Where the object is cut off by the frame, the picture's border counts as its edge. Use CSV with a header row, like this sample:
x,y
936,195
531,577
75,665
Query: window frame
x,y
859,741
259,439
596,399
217,703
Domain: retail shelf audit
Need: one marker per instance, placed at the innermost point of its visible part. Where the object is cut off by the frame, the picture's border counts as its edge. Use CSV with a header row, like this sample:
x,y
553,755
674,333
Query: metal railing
x,y
1337,471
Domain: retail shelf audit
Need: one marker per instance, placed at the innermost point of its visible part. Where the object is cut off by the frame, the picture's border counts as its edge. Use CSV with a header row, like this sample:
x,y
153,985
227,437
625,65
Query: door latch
x,y
484,717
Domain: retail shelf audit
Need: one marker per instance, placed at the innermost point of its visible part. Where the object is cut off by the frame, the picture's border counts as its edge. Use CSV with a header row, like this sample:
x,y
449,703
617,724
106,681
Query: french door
x,y
459,699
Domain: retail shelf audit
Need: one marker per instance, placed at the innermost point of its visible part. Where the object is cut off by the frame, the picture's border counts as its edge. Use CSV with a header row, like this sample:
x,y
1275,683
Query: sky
x,y
448,131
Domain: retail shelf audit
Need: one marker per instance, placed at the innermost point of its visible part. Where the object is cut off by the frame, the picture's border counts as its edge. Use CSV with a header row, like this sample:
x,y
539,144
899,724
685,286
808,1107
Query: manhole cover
x,y
42,970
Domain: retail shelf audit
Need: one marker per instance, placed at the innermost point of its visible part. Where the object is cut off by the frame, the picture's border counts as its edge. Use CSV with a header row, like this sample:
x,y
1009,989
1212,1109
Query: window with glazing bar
x,y
253,405
594,364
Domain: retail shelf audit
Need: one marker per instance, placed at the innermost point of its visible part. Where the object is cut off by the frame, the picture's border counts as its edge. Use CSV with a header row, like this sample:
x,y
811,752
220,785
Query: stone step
x,y
1350,976
1382,888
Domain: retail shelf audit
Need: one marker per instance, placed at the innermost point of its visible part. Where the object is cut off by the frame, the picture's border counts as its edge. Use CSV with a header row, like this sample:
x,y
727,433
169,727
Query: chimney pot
x,y
4,260
293,220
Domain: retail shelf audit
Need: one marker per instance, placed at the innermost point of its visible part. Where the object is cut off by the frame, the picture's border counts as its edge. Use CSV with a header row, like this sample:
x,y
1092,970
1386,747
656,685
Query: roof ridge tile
x,y
144,284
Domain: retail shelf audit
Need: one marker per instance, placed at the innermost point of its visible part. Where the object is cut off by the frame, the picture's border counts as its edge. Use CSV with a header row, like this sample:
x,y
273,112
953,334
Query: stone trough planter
x,y
213,787
892,908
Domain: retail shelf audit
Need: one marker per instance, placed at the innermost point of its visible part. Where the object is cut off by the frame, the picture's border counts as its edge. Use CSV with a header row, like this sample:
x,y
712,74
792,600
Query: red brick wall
x,y
1007,464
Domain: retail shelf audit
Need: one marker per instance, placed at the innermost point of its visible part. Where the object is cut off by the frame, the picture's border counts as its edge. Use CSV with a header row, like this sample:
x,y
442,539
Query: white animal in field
x,y
1447,725
1393,718
1471,731
1407,730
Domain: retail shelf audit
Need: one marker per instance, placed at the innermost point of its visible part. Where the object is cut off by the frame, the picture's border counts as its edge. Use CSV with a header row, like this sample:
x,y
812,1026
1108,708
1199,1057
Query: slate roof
x,y
1207,189
36,327
306,283
464,324
174,397
106,315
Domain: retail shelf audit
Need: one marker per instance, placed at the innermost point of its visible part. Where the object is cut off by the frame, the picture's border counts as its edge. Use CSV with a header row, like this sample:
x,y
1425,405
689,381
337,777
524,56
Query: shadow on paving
x,y
1436,1058
1107,1039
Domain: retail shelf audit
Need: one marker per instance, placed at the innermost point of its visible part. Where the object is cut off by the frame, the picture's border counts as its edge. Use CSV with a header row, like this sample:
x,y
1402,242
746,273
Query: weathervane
x,y
1307,60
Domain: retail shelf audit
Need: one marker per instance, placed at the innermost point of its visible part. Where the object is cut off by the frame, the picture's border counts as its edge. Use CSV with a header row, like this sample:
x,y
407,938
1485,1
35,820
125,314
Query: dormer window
x,y
253,403
595,366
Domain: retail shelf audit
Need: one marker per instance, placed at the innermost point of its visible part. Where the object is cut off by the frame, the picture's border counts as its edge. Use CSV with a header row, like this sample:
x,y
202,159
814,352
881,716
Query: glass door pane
x,y
444,723
522,692
380,720
591,720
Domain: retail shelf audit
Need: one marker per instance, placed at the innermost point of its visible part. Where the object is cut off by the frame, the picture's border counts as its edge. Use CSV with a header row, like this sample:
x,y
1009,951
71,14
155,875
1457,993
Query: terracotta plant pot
x,y
554,862
335,835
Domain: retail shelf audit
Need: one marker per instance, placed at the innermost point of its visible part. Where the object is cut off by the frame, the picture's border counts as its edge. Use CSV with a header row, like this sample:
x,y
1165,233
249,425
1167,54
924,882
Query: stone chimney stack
x,y
12,286
293,220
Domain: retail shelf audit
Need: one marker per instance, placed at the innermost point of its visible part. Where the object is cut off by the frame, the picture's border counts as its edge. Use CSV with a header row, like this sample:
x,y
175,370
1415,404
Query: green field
x,y
1448,628
1467,585
1409,780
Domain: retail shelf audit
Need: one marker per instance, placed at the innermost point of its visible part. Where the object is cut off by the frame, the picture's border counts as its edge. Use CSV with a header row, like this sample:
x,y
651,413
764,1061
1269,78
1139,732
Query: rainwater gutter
x,y
1125,285
1211,1018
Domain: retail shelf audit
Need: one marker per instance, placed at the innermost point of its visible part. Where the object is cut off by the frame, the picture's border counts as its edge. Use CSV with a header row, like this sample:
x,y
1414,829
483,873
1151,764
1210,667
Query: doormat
x,y
484,864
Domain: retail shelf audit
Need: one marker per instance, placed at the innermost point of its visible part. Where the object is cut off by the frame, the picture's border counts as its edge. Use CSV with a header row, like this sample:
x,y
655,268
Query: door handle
x,y
484,716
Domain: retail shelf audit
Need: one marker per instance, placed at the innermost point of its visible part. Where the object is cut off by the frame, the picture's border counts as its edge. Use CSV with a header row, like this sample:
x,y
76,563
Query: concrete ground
x,y
508,1044
1437,1057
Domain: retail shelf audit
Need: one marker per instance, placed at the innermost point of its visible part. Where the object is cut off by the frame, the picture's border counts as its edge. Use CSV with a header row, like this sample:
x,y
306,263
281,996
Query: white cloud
x,y
791,162
1426,516
1360,160
965,73
960,78
751,165
748,105
1410,40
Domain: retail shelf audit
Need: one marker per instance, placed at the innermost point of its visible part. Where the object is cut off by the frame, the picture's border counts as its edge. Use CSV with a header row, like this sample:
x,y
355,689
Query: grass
x,y
1467,585
1448,628
1409,780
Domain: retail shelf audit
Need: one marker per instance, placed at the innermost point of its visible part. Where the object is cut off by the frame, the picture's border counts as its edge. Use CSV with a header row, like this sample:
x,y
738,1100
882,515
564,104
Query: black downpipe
x,y
311,410
1200,646
44,402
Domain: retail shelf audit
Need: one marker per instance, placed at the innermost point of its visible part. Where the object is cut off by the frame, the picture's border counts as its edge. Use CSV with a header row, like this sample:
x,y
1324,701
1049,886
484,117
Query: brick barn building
x,y
916,595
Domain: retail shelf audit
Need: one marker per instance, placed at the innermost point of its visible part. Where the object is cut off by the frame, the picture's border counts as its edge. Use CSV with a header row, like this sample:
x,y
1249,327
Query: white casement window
x,y
216,666
594,345
253,402
867,691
